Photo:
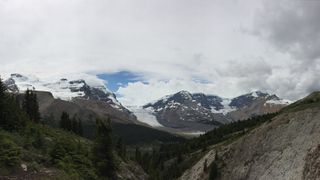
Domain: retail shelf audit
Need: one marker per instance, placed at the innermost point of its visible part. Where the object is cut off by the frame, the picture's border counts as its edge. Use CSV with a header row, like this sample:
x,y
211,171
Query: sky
x,y
146,49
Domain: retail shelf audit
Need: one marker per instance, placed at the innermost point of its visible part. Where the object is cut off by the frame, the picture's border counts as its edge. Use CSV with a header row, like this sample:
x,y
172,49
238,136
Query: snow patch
x,y
145,115
254,94
279,102
226,107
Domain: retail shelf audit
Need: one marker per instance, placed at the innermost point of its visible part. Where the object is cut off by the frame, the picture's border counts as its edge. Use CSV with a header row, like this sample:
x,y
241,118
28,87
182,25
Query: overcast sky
x,y
224,47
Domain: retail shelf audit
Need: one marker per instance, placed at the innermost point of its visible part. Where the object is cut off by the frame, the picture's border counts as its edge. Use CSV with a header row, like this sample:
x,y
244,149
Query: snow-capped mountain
x,y
63,89
75,96
199,111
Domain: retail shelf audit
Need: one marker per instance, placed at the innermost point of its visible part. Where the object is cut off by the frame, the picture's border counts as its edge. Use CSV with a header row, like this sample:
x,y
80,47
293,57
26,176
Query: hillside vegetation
x,y
171,160
284,147
31,150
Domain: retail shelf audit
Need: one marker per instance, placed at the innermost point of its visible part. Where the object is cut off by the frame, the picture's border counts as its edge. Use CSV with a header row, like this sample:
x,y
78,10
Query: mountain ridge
x,y
187,110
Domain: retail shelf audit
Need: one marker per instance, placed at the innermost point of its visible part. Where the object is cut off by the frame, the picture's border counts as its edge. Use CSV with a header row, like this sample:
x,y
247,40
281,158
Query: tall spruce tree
x,y
80,128
2,99
65,122
11,116
74,125
121,148
26,105
103,150
35,107
30,106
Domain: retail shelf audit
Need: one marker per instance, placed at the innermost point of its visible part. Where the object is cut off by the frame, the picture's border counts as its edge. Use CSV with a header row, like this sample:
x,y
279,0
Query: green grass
x,y
311,101
39,147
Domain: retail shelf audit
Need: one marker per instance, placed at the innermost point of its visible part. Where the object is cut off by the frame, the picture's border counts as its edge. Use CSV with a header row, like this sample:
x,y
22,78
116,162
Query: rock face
x,y
198,171
285,148
201,112
312,166
185,111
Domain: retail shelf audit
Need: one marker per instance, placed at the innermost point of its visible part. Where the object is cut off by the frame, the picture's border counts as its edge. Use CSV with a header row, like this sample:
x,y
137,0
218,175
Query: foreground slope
x,y
287,147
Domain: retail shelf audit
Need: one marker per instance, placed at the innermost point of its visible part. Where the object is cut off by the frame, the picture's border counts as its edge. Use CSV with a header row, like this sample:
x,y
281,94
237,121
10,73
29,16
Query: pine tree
x,y
138,155
80,128
74,125
2,99
103,149
65,122
213,171
30,106
121,149
11,116
26,105
35,107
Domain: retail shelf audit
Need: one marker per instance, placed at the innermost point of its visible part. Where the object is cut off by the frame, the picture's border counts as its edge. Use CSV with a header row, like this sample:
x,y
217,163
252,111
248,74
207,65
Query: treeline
x,y
171,160
73,125
23,138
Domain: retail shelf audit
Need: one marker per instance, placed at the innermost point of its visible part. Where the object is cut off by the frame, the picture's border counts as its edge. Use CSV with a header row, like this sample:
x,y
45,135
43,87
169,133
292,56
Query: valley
x,y
182,136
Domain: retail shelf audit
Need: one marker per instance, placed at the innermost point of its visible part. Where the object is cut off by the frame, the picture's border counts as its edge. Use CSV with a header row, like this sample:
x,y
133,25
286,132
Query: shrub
x,y
9,152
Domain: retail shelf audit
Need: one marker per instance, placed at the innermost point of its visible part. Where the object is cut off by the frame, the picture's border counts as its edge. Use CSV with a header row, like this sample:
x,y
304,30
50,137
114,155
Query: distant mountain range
x,y
87,102
182,111
202,112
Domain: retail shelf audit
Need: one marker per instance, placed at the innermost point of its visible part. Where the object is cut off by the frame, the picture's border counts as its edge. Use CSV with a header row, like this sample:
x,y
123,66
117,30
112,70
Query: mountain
x,y
63,89
187,111
201,112
75,95
284,147
87,102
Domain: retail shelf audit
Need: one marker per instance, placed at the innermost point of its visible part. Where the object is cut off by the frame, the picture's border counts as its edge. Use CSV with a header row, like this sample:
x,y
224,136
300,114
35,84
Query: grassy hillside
x,y
31,150
39,148
312,100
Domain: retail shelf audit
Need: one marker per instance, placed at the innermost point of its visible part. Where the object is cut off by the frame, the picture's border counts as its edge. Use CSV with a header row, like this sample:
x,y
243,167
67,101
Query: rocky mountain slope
x,y
86,101
73,96
202,112
287,147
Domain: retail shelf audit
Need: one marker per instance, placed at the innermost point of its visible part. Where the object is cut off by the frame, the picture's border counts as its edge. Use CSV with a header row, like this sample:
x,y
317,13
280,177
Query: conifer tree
x,y
213,171
26,105
2,99
138,155
35,107
74,125
121,148
80,128
65,122
11,116
103,149
30,106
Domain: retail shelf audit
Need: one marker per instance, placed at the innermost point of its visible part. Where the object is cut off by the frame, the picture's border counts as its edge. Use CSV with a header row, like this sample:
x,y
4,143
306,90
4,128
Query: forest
x,y
25,138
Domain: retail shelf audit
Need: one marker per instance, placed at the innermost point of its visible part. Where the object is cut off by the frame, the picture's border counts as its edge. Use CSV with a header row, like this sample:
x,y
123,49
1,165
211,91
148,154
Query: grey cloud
x,y
248,69
292,26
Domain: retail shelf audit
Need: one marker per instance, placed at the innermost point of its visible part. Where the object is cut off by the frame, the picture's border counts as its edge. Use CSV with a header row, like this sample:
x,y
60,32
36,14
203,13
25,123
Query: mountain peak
x,y
63,88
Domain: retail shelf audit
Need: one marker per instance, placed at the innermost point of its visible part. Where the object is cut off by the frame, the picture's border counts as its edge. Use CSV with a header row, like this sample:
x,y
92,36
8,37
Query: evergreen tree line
x,y
12,116
68,154
73,125
173,155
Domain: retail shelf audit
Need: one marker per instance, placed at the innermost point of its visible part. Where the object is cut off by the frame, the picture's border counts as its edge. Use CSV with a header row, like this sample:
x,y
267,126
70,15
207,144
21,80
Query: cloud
x,y
292,27
217,47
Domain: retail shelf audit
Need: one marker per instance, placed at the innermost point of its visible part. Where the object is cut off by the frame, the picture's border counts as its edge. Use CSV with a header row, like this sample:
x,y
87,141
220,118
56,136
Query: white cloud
x,y
217,47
